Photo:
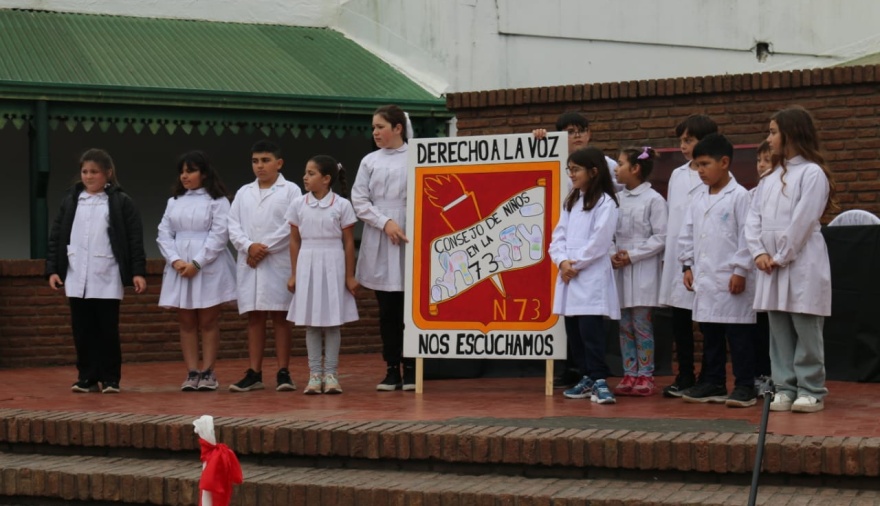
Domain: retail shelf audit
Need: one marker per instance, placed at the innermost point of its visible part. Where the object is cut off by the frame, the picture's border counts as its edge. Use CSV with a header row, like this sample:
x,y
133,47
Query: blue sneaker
x,y
601,394
580,391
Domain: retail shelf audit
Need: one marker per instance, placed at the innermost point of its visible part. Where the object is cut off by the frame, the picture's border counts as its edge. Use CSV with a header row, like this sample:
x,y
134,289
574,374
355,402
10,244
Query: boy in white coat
x,y
719,270
683,185
261,235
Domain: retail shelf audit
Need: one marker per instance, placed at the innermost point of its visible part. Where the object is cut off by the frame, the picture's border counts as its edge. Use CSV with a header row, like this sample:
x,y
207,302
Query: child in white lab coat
x,y
794,285
379,199
639,243
764,166
718,269
683,185
199,270
96,247
322,259
261,234
585,287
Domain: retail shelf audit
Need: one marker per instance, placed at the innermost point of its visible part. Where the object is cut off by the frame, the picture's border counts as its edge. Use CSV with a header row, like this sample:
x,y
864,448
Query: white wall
x,y
463,45
485,44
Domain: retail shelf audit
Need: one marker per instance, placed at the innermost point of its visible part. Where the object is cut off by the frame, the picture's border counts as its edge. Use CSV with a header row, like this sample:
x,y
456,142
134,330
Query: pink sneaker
x,y
625,387
644,386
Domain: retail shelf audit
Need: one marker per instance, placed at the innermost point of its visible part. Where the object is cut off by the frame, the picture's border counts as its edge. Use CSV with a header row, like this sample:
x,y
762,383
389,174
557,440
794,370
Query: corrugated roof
x,y
118,54
869,59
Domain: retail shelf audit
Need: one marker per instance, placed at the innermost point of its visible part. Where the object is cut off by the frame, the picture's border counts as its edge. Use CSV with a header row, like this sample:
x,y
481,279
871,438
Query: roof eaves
x,y
109,94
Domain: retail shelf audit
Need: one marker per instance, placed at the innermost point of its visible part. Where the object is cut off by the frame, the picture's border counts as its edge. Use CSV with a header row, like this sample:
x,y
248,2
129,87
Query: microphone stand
x,y
767,390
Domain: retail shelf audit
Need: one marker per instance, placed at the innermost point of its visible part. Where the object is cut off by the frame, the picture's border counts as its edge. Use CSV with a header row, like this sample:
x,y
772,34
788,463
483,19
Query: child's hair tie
x,y
645,154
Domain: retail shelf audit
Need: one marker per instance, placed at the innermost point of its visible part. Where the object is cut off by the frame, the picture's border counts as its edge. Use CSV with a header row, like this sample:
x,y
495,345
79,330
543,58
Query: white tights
x,y
331,340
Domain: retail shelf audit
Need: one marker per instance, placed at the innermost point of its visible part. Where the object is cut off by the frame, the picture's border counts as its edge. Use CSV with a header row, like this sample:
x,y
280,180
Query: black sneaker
x,y
282,379
252,381
568,379
110,387
681,384
741,397
392,380
85,387
409,377
705,392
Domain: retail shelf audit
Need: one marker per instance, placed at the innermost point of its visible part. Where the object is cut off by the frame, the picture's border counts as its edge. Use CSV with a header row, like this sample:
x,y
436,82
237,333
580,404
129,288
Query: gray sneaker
x,y
208,381
191,383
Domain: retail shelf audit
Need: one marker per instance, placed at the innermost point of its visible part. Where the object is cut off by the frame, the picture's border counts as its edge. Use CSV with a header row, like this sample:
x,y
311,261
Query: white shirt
x,y
93,272
683,184
783,222
585,238
379,195
712,240
257,217
641,231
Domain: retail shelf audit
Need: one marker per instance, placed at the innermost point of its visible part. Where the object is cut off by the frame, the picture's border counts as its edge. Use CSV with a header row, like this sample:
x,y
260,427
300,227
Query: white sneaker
x,y
331,384
807,404
314,386
781,402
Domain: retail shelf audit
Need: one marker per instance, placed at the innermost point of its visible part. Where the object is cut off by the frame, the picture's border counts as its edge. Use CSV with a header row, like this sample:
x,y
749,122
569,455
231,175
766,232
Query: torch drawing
x,y
458,207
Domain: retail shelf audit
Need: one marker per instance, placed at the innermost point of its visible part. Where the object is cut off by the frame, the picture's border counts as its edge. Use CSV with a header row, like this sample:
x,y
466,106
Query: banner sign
x,y
480,214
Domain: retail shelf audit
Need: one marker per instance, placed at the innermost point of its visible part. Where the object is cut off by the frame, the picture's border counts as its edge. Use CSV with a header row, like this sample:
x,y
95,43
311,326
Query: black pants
x,y
762,345
95,324
586,336
741,339
391,327
683,333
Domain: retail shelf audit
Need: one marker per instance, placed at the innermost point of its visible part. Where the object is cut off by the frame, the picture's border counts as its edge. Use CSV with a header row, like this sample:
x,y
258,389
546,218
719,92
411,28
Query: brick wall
x,y
845,102
35,323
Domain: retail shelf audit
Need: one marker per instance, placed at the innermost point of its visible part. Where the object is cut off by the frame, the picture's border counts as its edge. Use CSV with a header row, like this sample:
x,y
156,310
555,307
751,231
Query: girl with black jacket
x,y
95,249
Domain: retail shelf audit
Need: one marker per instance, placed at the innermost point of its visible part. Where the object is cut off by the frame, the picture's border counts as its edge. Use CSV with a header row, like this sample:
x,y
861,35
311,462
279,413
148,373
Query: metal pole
x,y
39,179
766,390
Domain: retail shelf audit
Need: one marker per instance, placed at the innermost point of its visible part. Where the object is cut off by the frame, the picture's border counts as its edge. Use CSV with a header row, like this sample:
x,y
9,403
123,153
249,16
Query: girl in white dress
x,y
322,263
640,240
585,288
784,238
379,199
199,269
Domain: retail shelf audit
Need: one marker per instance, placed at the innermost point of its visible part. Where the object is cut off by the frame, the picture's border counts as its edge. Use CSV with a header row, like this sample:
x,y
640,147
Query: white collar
x,y
323,203
638,190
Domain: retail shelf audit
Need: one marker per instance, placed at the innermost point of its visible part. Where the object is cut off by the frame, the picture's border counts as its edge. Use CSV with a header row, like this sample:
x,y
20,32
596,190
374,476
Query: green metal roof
x,y
869,59
118,59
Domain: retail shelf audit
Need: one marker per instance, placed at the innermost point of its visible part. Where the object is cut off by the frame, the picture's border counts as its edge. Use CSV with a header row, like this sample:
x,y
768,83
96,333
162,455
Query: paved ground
x,y
853,409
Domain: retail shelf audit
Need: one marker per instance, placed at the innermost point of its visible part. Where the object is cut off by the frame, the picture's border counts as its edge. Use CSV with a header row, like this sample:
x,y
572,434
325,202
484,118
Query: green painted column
x,y
39,179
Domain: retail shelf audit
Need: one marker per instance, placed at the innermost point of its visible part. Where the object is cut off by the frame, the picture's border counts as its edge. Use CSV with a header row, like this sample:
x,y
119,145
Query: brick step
x,y
175,482
452,444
